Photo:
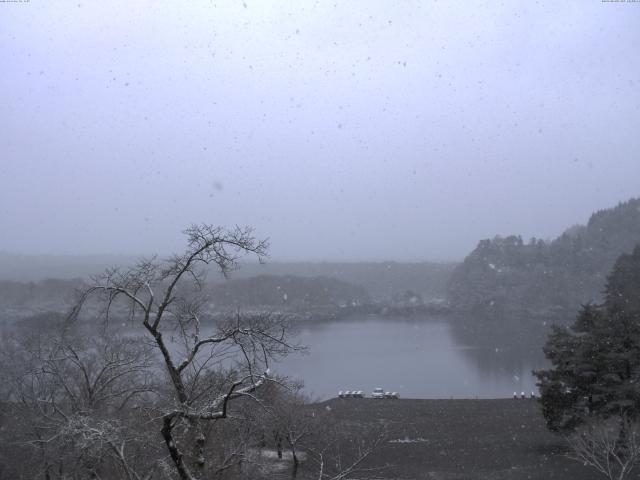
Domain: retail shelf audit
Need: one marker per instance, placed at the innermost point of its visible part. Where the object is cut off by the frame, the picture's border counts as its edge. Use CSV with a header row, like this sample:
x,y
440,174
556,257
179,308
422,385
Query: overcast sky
x,y
352,130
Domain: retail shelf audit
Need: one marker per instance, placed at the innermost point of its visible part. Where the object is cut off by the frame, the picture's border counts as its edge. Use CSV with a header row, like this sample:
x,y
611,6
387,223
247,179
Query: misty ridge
x,y
546,278
501,275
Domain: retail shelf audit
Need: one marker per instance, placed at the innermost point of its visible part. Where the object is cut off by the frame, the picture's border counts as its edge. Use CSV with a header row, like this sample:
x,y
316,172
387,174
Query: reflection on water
x,y
502,345
417,357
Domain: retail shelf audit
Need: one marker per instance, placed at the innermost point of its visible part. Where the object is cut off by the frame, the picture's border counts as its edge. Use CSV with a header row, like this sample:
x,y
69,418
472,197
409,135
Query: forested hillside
x,y
384,281
287,291
509,275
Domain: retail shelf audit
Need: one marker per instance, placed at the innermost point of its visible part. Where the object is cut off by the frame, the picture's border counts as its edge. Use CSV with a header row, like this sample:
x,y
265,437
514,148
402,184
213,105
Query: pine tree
x,y
596,361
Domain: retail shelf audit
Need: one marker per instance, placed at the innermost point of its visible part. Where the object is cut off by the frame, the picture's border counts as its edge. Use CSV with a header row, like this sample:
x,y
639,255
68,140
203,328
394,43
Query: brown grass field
x,y
460,439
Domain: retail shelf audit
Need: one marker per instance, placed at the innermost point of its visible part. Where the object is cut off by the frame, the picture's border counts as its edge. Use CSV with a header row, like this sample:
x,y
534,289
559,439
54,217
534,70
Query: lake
x,y
416,357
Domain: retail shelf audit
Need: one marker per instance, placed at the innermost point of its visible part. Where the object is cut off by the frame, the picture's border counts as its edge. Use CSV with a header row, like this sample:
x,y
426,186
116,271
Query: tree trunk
x,y
296,463
174,452
199,441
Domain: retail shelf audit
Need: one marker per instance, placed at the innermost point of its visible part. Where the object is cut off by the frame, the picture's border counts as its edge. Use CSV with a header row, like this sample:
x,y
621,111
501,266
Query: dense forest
x,y
505,275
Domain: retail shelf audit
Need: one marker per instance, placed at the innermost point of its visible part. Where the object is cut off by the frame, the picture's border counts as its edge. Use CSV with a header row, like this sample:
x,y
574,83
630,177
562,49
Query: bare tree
x,y
291,420
611,446
208,367
68,398
103,400
310,438
341,455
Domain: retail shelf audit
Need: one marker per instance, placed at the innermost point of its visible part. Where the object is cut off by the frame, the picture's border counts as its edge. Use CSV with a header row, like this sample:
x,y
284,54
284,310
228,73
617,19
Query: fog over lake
x,y
416,357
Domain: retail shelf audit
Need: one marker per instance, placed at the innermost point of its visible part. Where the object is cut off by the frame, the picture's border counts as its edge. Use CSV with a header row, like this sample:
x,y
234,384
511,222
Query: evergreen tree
x,y
623,285
596,361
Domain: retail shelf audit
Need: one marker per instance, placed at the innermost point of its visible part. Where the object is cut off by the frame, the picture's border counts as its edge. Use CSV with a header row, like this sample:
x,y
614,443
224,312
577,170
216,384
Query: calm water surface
x,y
418,357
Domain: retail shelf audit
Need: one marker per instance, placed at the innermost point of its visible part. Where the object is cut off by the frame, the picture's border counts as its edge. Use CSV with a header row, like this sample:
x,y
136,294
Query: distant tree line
x,y
42,294
287,292
508,274
381,280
